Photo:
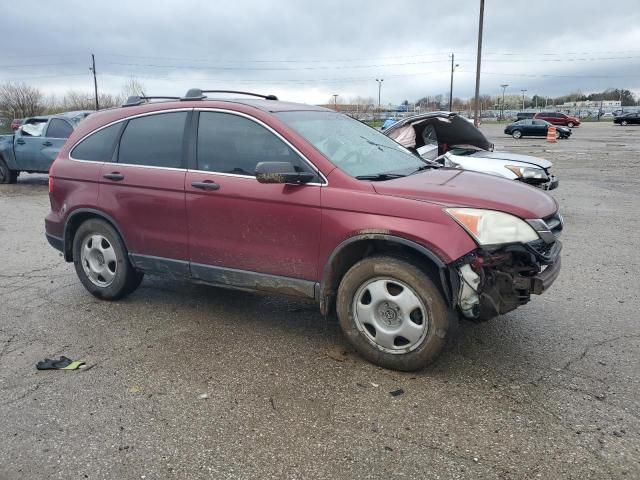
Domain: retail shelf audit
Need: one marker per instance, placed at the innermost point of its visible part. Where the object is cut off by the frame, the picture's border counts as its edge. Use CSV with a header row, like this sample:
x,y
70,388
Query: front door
x,y
242,232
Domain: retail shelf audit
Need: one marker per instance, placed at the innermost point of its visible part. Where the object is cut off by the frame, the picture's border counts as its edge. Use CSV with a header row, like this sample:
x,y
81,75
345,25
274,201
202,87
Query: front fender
x,y
6,151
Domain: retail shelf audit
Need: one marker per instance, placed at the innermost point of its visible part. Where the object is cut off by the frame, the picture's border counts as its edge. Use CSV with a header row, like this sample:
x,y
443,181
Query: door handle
x,y
206,185
115,176
47,144
20,142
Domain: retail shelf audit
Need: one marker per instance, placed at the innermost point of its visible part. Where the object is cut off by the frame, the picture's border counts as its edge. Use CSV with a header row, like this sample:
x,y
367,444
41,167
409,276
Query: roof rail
x,y
134,100
197,94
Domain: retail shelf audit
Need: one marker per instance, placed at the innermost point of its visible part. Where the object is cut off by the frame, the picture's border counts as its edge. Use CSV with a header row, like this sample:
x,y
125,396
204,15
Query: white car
x,y
450,140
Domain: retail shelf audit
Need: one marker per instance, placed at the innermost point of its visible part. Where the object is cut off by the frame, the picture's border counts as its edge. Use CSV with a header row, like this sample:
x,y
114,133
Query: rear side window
x,y
99,146
154,140
233,144
58,129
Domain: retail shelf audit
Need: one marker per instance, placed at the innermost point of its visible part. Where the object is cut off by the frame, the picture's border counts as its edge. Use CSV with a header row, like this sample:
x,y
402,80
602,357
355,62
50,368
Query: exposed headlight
x,y
489,227
528,173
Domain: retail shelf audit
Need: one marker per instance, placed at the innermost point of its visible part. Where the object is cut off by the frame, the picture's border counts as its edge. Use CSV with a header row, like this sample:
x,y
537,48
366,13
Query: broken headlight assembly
x,y
489,227
528,173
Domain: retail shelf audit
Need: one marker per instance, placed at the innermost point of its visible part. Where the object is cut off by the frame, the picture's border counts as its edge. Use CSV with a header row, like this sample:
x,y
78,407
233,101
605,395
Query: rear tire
x,y
101,261
6,174
517,134
393,313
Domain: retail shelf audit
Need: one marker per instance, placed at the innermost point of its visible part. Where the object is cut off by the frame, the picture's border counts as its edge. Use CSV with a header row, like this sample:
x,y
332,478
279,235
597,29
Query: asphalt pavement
x,y
192,381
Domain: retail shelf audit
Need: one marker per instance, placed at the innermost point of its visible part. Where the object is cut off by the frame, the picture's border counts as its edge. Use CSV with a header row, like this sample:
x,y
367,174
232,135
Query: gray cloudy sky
x,y
307,50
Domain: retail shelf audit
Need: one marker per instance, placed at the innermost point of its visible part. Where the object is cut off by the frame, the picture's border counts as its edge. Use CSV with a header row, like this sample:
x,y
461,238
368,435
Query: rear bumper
x,y
55,242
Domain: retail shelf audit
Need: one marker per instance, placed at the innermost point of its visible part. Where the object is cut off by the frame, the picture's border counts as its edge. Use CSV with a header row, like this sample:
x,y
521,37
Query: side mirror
x,y
281,172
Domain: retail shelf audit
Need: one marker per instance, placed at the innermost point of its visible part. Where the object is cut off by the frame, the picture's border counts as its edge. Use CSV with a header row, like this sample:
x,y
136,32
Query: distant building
x,y
592,104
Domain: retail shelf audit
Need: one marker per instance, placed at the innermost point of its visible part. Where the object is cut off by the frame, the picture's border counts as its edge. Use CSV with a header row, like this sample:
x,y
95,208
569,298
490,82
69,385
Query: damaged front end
x,y
493,281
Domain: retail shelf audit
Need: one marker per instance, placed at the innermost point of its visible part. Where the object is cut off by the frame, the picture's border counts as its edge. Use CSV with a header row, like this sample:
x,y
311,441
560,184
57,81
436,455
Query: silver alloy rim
x,y
624,122
99,260
517,134
390,315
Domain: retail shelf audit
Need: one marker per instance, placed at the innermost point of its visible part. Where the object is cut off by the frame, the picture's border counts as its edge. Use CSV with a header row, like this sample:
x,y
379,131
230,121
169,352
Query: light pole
x,y
335,102
453,67
476,118
504,87
379,80
523,90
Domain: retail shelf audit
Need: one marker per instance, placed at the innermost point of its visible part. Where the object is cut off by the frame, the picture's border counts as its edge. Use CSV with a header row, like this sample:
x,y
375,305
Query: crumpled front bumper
x,y
494,282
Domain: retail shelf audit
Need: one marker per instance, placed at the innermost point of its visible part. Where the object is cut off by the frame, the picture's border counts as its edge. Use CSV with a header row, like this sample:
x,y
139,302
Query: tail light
x,y
51,177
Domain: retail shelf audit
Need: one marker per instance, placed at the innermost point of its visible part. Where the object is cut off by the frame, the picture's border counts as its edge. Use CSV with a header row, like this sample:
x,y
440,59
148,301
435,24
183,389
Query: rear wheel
x,y
392,313
6,174
516,134
101,261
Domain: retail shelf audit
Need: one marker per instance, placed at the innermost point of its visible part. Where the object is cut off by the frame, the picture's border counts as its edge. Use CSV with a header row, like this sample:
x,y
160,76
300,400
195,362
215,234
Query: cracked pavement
x,y
549,391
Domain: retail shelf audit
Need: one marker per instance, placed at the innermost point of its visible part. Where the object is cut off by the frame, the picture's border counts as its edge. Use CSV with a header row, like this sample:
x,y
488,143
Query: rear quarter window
x,y
98,146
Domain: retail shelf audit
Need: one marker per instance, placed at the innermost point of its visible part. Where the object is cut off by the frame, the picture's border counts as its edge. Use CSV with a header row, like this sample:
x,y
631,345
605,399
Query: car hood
x,y
516,157
462,188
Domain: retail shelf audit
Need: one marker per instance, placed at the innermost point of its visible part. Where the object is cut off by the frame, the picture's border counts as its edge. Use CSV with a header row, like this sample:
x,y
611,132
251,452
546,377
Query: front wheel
x,y
516,134
101,261
624,123
570,124
392,313
6,174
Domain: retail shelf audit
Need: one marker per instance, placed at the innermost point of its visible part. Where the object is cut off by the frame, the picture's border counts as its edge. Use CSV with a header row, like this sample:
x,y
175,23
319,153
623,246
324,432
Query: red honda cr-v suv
x,y
299,200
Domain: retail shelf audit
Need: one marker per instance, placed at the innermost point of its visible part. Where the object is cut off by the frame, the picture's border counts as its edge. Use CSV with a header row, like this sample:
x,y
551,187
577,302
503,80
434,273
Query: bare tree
x,y
19,100
132,87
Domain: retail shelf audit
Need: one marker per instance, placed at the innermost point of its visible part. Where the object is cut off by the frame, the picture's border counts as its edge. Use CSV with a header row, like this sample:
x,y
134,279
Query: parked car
x,y
35,144
534,128
16,122
388,122
259,194
524,115
449,139
627,119
558,118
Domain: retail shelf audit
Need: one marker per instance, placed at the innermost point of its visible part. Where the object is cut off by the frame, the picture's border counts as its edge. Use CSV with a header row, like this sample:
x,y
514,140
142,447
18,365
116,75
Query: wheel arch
x,y
355,248
77,218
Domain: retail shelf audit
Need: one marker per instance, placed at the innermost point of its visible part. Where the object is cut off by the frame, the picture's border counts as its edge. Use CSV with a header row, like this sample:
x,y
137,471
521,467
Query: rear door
x,y
143,190
539,128
237,223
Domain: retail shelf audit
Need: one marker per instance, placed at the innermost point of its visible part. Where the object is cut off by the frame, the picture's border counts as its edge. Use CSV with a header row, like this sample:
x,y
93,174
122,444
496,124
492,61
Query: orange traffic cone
x,y
551,134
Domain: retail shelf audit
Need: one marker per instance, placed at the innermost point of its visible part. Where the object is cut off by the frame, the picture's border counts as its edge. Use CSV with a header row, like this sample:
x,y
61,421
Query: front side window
x,y
99,146
352,146
153,140
58,129
230,143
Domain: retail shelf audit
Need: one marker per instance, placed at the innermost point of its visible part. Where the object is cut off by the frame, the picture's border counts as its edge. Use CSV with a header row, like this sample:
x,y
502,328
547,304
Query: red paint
x,y
288,230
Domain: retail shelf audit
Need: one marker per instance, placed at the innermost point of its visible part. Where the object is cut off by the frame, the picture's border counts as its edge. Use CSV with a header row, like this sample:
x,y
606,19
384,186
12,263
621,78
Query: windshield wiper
x,y
380,176
425,166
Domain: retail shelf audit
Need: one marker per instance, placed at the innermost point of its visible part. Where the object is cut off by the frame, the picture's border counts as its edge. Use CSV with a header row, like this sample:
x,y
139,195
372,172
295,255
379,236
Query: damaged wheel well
x,y
355,249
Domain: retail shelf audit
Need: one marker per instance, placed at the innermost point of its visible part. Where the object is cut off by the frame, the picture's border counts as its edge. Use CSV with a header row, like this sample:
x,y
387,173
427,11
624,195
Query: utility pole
x,y
480,25
453,67
523,90
335,102
504,87
95,82
379,80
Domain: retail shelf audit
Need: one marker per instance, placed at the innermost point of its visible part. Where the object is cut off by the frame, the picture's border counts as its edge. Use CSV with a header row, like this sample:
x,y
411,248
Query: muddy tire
x,y
101,261
393,313
6,174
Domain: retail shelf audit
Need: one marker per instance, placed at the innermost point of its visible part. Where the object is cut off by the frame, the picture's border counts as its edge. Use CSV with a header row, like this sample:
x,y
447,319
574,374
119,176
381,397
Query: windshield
x,y
352,146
